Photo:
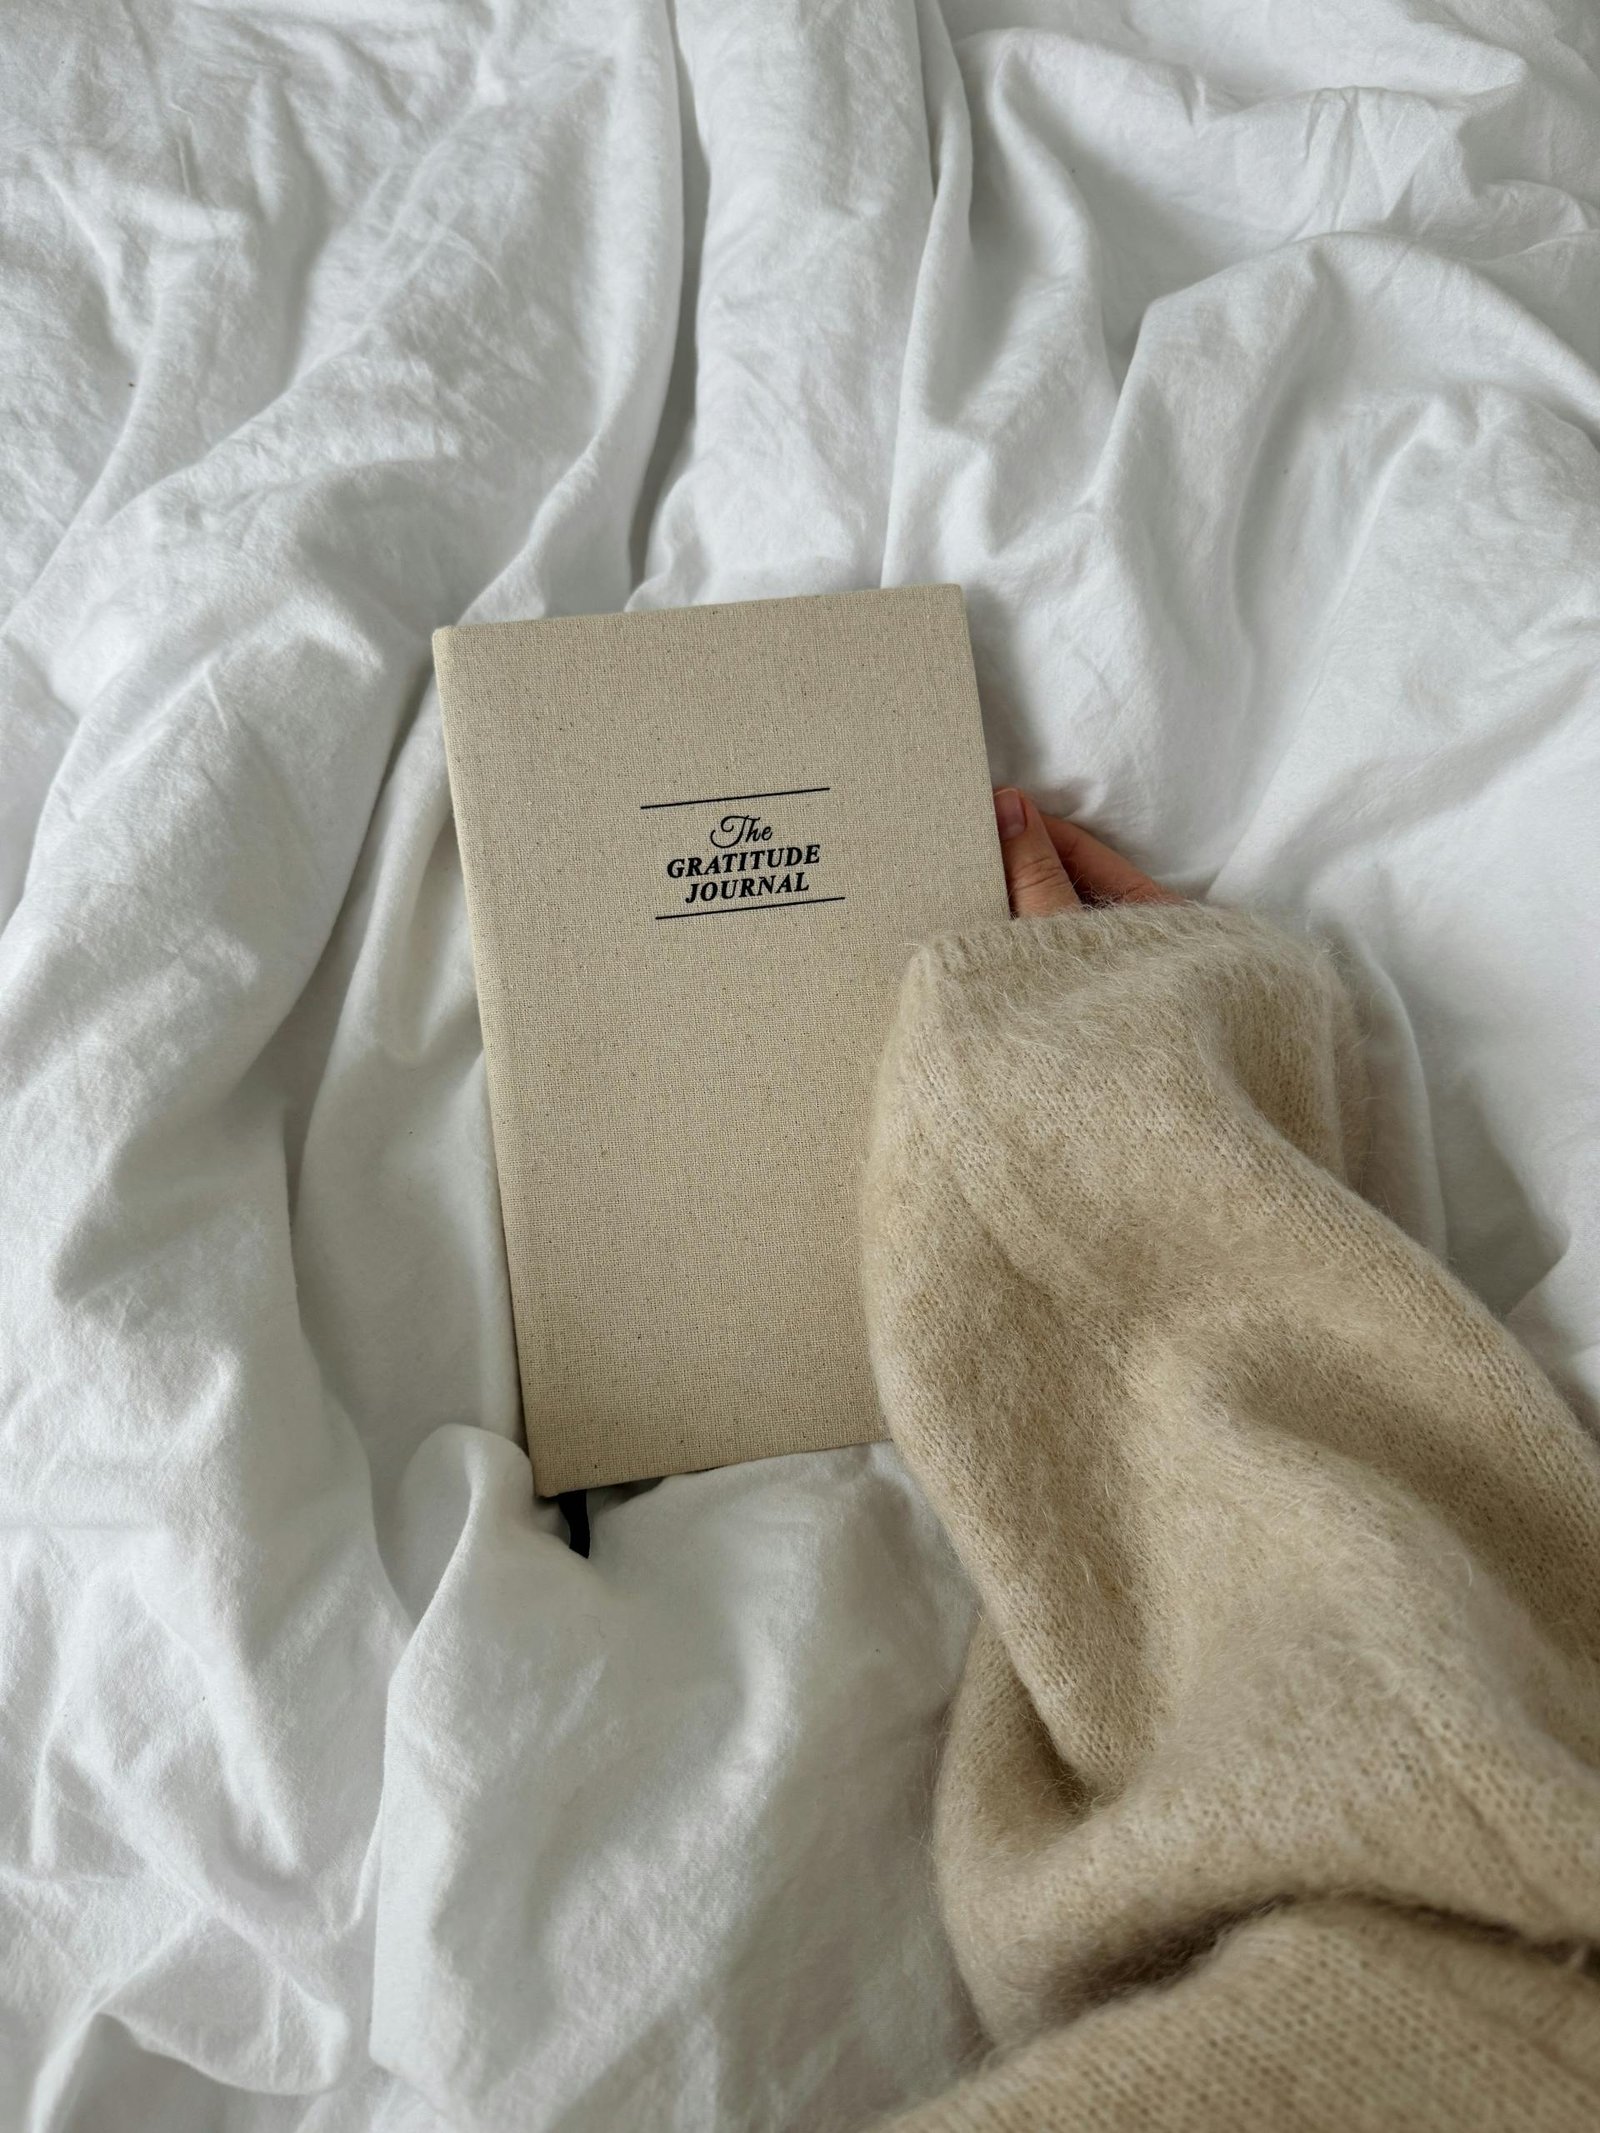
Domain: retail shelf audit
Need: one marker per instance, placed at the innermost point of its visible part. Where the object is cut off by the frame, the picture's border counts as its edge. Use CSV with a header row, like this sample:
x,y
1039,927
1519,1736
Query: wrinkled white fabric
x,y
1243,362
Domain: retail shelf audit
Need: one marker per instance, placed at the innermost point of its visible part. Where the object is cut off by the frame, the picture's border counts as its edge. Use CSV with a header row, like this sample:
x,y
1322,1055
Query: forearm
x,y
1290,1551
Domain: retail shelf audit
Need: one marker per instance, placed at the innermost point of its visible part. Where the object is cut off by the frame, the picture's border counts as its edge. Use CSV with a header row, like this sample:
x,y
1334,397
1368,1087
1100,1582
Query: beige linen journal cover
x,y
699,844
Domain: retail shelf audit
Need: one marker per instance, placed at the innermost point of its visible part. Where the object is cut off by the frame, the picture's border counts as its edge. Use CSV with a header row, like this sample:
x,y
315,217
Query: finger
x,y
1035,878
1099,873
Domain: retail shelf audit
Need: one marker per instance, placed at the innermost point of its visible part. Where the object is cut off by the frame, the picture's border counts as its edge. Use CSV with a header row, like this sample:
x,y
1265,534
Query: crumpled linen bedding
x,y
1243,362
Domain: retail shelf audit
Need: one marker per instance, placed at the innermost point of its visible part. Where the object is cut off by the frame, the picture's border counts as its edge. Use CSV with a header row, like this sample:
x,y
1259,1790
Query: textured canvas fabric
x,y
699,845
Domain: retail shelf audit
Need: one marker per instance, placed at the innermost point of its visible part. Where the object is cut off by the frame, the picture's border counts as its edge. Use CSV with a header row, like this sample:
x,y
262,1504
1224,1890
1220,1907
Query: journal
x,y
699,845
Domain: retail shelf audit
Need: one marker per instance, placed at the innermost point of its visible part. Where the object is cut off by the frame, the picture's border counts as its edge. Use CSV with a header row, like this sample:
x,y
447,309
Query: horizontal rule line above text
x,y
716,799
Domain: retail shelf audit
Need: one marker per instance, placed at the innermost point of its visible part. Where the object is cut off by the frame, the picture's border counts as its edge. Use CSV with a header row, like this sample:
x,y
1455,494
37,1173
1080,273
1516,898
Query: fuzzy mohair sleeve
x,y
1272,1790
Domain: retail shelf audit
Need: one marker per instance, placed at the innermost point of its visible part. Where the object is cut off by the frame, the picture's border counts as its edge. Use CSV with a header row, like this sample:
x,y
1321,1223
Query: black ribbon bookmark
x,y
574,1505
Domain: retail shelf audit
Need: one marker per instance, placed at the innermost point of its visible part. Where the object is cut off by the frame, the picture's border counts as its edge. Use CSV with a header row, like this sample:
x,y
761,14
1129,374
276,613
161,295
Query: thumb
x,y
1035,877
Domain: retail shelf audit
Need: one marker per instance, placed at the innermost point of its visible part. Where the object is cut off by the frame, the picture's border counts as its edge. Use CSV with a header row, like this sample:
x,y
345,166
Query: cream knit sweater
x,y
1272,1792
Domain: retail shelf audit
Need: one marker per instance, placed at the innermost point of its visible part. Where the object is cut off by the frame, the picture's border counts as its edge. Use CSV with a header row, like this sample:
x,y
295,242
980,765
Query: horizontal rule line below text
x,y
789,903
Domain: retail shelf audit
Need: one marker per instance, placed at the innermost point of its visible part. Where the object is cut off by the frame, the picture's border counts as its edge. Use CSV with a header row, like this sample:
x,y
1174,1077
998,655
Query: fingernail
x,y
1010,811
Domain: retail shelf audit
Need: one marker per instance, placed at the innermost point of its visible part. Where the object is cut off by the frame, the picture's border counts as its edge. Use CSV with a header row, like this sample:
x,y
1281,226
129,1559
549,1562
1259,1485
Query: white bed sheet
x,y
1241,361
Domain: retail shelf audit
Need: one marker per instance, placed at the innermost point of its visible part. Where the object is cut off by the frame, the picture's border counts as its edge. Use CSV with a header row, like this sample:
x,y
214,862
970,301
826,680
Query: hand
x,y
1052,865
